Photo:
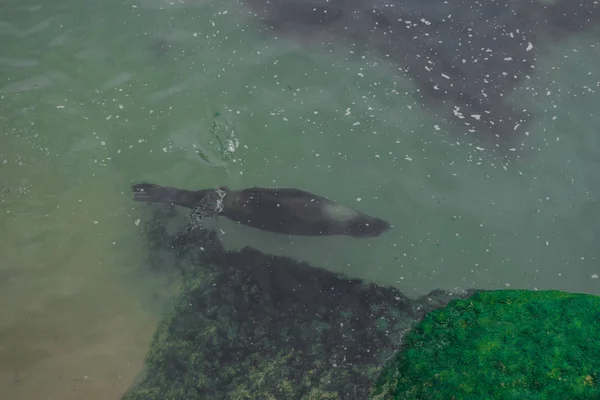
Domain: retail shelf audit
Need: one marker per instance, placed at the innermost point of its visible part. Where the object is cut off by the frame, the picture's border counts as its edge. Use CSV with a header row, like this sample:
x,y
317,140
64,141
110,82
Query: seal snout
x,y
370,228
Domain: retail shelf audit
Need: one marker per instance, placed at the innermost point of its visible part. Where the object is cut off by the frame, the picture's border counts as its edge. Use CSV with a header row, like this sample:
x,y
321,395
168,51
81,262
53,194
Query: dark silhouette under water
x,y
464,56
287,211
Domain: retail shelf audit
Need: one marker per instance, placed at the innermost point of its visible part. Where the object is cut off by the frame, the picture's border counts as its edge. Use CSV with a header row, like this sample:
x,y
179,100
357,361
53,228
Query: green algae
x,y
510,344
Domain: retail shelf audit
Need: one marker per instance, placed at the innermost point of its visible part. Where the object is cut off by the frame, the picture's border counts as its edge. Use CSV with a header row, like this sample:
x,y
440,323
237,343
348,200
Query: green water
x,y
95,96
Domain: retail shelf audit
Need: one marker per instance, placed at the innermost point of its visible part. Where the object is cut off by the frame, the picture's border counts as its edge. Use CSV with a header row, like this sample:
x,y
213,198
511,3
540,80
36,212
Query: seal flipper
x,y
153,193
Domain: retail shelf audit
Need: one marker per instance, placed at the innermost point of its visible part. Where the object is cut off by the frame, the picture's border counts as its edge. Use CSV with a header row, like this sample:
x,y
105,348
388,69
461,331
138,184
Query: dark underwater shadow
x,y
250,325
465,57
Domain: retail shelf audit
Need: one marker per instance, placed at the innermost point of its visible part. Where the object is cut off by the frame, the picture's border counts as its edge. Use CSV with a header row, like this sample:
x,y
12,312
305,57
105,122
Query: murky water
x,y
97,95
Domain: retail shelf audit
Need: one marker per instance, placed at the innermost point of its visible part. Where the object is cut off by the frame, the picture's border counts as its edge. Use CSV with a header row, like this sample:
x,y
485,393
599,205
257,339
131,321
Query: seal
x,y
284,211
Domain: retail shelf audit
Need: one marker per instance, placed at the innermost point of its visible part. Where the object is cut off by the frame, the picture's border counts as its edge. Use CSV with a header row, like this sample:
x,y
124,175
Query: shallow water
x,y
97,95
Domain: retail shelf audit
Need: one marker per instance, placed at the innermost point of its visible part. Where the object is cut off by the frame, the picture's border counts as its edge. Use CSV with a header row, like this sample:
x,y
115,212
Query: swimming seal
x,y
286,211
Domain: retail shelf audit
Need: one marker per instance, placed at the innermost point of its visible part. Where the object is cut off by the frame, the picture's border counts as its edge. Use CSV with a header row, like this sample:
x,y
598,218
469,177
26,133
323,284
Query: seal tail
x,y
152,193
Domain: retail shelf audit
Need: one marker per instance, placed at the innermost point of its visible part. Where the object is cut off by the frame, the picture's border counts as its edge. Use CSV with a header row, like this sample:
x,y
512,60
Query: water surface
x,y
97,95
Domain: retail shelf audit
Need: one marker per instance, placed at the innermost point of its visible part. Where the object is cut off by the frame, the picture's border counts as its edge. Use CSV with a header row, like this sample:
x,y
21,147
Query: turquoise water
x,y
95,96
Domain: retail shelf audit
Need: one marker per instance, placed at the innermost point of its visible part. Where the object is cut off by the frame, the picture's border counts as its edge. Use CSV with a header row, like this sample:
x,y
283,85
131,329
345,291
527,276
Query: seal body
x,y
285,211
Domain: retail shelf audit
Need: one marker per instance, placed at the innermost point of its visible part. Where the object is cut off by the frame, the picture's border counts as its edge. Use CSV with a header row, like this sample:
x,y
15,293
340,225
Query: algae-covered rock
x,y
252,326
509,344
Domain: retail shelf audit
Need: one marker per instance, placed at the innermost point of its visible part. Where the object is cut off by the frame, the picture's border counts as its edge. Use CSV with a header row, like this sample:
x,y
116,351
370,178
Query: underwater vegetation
x,y
505,344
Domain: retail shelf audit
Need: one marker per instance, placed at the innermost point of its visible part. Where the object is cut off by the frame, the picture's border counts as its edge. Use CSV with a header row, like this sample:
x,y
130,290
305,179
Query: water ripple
x,y
35,83
6,28
15,62
117,81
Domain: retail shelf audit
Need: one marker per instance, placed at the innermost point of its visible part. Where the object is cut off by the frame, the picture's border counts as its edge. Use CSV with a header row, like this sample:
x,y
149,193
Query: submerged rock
x,y
252,326
508,344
